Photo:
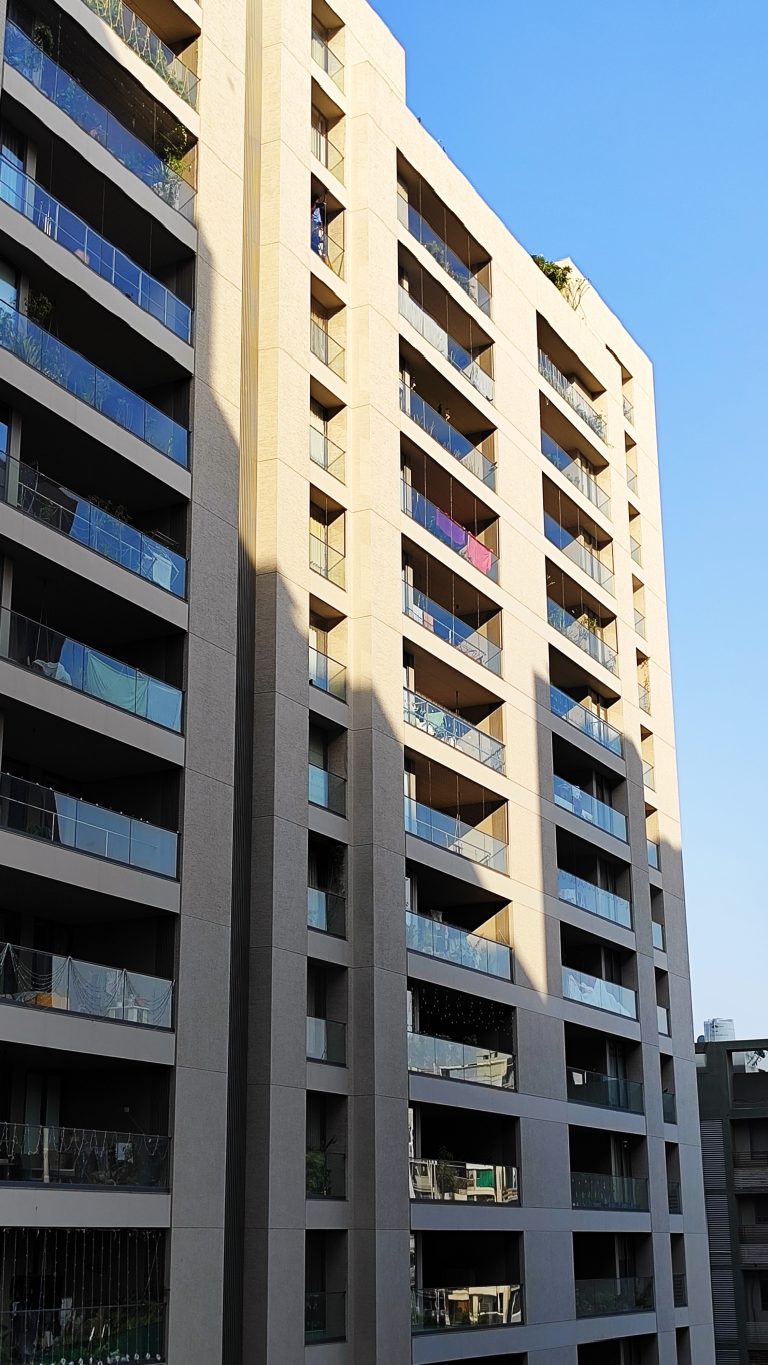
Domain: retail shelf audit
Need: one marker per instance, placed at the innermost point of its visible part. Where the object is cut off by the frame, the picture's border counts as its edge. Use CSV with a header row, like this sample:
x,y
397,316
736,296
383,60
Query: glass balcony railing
x,y
63,660
327,790
53,1155
460,1061
593,1191
636,550
439,428
440,252
662,1015
603,1298
640,623
68,95
325,1316
654,855
600,994
326,1175
575,473
588,808
28,198
604,1092
37,496
560,704
326,674
83,1331
79,377
454,835
594,899
326,59
680,1291
487,1305
448,531
674,1197
644,698
327,561
326,1041
327,151
649,775
657,933
326,912
462,1182
572,395
578,553
51,981
450,628
449,728
629,411
632,480
28,808
434,938
146,44
447,345
581,635
326,247
669,1107
326,454
326,348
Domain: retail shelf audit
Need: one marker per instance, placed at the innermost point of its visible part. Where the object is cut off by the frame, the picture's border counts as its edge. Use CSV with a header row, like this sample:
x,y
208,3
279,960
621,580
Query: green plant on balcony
x,y
318,1172
445,1173
39,308
558,274
42,37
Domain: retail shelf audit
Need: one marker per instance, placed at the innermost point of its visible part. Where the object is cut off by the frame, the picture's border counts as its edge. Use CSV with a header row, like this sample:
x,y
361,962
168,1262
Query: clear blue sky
x,y
633,138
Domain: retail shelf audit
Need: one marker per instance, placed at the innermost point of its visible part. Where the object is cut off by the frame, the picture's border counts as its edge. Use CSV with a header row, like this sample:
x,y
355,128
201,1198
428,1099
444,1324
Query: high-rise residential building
x,y
719,1031
733,1103
345,999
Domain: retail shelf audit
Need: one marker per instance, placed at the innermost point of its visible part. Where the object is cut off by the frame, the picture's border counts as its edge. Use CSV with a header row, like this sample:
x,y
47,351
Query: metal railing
x,y
579,554
657,934
602,995
326,348
487,1305
327,561
462,1182
757,1333
451,729
28,808
437,426
594,899
447,531
674,1197
560,704
442,623
327,674
461,1061
575,473
596,1191
629,411
38,496
146,44
101,1333
454,835
60,659
154,171
451,350
573,397
326,454
325,1316
326,1174
23,194
52,981
327,151
435,938
754,1234
588,808
679,1291
581,635
55,1155
654,854
603,1298
445,257
751,1161
84,380
326,789
326,58
326,912
604,1092
326,1041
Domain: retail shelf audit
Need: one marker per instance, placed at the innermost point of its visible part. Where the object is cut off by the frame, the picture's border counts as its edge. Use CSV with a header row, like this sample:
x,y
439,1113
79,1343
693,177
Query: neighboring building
x,y
346,980
733,1106
719,1031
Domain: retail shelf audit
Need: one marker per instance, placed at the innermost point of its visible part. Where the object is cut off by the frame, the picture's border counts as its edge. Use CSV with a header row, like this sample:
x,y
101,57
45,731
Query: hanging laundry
x,y
479,555
455,535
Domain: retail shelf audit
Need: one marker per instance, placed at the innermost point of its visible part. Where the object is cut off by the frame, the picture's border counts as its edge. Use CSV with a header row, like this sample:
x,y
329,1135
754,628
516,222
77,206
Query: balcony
x,y
59,658
578,553
325,147
443,255
674,1197
679,1291
581,635
327,561
447,943
604,1298
326,1174
644,698
448,346
451,729
488,1305
632,480
757,1333
326,1041
131,1330
325,1316
629,411
326,59
640,623
42,813
326,674
448,531
662,1018
620,1192
453,1061
154,171
657,934
24,195
462,1182
636,551
654,855
454,835
589,808
326,454
37,496
604,1092
326,789
572,396
575,473
594,899
450,628
146,44
326,912
326,348
51,981
470,456
669,1107
79,377
599,994
52,1155
560,704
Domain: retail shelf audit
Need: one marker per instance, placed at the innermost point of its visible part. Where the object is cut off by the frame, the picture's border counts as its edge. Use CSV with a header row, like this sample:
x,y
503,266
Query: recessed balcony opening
x,y
446,415
593,881
566,372
629,1351
326,1013
582,463
327,328
327,650
325,1282
454,813
328,41
327,886
460,1037
756,1302
327,431
448,327
326,1146
326,227
662,1003
327,538
456,716
327,131
668,1088
579,537
466,1280
431,223
463,1156
458,923
603,1071
609,1171
580,617
598,973
653,838
674,1187
585,704
613,1273
327,783
583,788
449,607
449,511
